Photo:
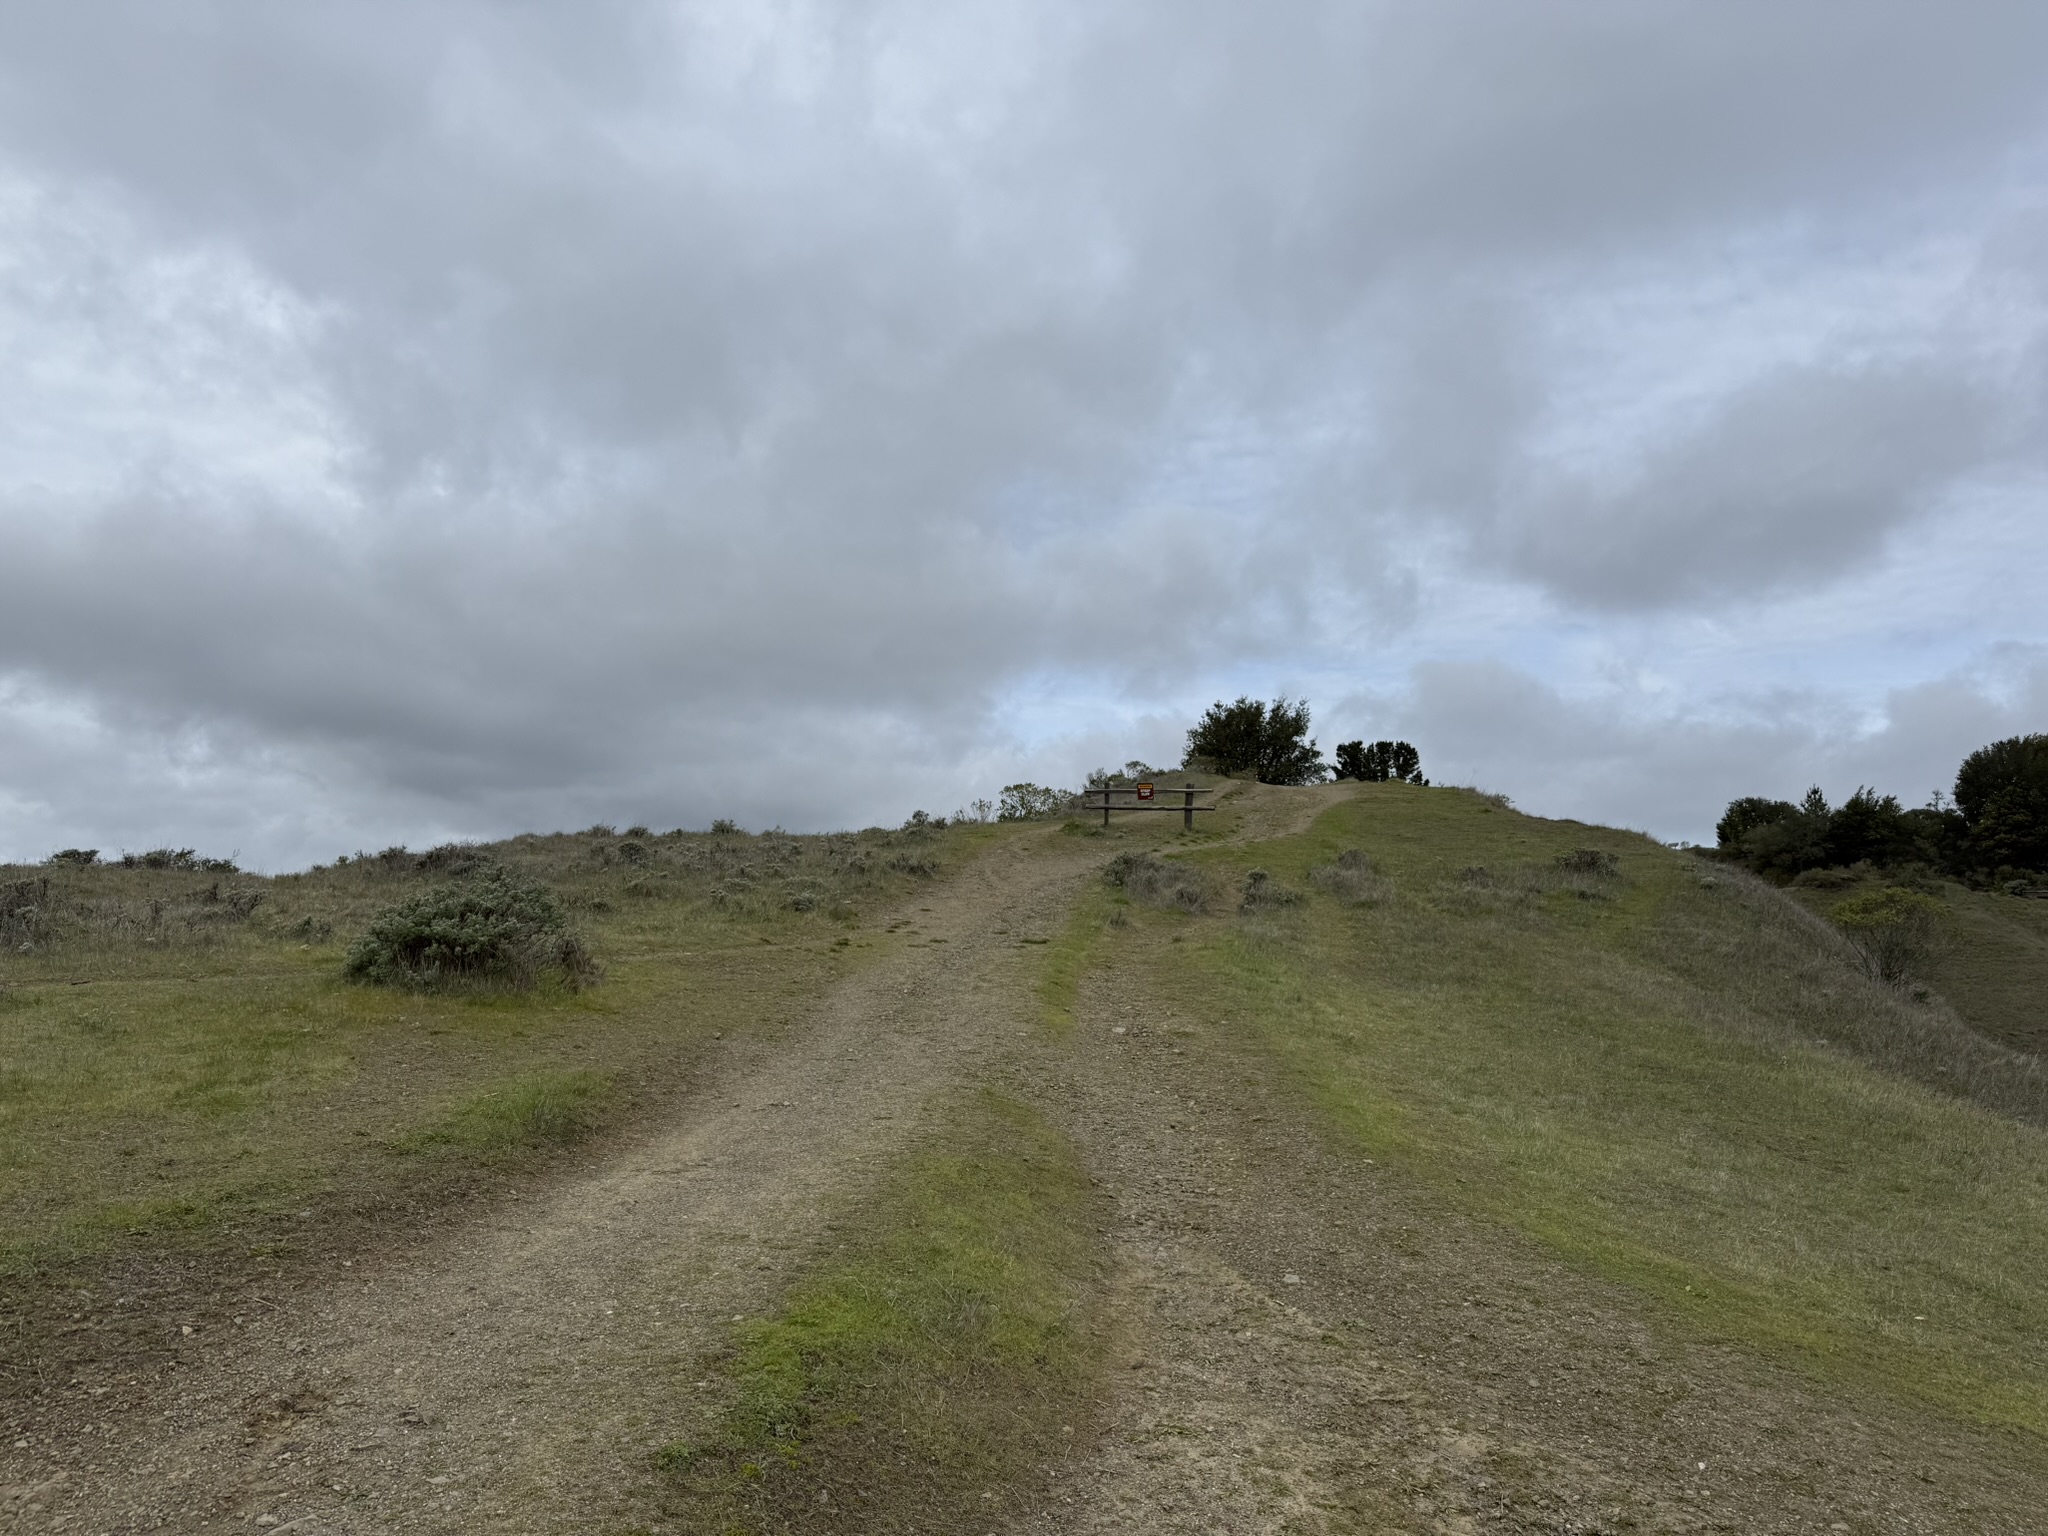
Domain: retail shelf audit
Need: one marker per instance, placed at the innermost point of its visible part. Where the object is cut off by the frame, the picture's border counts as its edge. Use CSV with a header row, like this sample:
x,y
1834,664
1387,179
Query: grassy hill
x,y
1477,1062
1669,1074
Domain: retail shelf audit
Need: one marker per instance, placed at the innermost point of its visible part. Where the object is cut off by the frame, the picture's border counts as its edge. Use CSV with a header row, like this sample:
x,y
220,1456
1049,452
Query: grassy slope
x,y
1991,962
917,1375
1634,1081
172,1085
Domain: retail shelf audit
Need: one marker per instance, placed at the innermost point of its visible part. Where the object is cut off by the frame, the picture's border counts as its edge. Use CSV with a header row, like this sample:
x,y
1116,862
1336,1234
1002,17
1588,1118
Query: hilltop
x,y
1374,1158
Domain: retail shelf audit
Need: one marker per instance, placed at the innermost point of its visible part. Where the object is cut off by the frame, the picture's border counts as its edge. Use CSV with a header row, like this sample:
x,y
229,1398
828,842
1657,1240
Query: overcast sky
x,y
436,421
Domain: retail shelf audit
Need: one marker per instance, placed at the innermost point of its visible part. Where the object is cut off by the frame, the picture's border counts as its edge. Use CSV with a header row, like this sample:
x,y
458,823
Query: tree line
x,y
1993,829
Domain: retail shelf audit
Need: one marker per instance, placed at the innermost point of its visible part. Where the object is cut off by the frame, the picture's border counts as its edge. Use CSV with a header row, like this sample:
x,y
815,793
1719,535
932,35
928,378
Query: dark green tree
x,y
1786,845
1870,826
1379,763
2002,792
1268,741
1747,813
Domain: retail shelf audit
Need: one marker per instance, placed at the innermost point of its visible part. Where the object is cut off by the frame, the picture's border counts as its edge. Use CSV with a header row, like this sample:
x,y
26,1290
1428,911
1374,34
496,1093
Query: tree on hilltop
x,y
1380,763
1268,741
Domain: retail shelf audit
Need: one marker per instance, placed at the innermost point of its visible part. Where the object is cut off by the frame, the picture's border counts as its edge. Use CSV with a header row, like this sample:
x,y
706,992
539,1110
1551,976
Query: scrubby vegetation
x,y
1353,879
489,929
1262,893
1032,802
1157,882
1893,929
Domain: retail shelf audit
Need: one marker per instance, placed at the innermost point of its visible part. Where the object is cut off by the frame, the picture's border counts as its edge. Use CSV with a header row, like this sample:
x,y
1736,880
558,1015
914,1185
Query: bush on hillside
x,y
451,859
24,911
487,930
1352,879
185,859
1262,893
1268,742
1032,802
1157,882
1893,930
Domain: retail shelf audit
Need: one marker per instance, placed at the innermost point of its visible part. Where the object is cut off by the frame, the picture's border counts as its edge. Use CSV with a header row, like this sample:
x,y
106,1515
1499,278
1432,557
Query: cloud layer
x,y
442,421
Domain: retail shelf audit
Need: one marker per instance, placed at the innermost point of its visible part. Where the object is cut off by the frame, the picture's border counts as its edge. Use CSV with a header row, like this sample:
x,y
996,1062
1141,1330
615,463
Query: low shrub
x,y
488,930
1352,879
1157,882
1262,893
24,907
451,859
1033,802
1893,930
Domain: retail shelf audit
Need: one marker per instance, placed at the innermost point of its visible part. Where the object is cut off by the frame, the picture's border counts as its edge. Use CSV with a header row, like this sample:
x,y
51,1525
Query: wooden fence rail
x,y
1146,797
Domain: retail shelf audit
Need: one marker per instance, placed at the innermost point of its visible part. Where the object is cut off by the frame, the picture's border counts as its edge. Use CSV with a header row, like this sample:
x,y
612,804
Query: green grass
x,y
526,1112
1640,1081
1989,961
1068,957
946,1354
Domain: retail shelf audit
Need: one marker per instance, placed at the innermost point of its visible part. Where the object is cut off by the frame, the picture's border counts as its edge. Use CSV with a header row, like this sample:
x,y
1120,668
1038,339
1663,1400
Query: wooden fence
x,y
1147,797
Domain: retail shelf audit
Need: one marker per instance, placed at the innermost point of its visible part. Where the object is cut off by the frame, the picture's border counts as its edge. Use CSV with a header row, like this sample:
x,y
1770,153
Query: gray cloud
x,y
505,412
1794,478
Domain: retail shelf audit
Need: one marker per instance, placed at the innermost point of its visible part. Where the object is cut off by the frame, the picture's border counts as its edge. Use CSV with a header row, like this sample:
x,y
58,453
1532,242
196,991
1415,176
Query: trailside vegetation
x,y
490,929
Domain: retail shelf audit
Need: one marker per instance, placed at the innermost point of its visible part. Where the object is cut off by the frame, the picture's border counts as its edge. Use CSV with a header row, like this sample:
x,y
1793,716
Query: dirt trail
x,y
499,1376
